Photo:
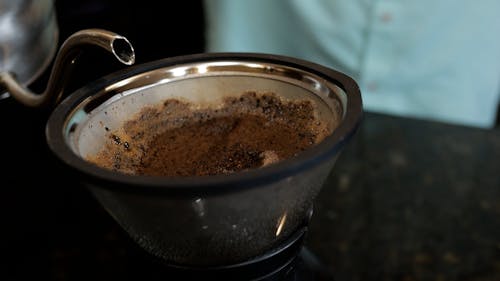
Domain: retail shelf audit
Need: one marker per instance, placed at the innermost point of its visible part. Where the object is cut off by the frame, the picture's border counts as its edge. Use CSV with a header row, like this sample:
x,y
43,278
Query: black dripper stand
x,y
252,220
289,261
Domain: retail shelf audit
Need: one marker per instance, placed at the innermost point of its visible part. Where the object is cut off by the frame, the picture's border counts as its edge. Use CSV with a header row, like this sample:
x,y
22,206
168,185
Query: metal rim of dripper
x,y
206,185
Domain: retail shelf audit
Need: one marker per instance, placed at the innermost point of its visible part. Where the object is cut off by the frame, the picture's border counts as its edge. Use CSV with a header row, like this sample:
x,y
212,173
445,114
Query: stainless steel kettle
x,y
28,42
28,37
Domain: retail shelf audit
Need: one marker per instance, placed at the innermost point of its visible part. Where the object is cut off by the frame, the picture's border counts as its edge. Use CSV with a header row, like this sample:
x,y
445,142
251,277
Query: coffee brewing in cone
x,y
179,138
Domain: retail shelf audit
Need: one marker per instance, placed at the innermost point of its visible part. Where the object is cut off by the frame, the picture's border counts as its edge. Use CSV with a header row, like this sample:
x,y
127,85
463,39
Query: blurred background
x,y
156,29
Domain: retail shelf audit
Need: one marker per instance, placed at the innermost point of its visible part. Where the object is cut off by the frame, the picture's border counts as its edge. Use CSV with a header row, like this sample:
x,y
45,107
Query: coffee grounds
x,y
177,139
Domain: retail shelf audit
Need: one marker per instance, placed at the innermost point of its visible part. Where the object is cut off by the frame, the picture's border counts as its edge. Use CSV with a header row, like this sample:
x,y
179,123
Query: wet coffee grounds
x,y
181,139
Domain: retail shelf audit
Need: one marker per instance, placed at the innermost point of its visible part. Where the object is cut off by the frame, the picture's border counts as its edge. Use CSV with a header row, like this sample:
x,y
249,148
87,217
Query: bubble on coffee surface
x,y
179,138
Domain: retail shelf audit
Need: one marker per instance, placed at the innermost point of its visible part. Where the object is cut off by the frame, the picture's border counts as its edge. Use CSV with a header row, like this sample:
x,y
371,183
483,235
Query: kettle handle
x,y
64,62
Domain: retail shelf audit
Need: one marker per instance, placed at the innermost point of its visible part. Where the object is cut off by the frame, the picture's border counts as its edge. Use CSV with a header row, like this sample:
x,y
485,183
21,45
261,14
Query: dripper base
x,y
291,261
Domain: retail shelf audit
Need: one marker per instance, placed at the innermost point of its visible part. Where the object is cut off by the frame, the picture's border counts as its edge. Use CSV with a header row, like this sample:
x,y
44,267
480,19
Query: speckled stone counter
x,y
412,200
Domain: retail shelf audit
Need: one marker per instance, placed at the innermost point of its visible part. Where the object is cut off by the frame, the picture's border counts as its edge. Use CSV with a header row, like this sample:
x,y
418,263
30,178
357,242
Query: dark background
x,y
156,29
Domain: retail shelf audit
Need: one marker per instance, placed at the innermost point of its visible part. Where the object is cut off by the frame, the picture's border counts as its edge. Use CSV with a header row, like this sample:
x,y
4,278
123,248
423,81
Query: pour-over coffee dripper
x,y
252,222
211,223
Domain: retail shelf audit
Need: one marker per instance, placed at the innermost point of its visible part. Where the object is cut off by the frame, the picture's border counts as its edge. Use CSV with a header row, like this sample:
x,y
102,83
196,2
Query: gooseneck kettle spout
x,y
64,62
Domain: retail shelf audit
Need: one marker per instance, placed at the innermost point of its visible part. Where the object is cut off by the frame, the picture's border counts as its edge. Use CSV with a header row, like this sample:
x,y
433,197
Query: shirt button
x,y
386,17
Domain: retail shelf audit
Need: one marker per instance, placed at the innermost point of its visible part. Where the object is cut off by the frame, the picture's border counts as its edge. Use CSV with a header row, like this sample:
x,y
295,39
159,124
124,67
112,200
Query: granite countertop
x,y
407,200
412,200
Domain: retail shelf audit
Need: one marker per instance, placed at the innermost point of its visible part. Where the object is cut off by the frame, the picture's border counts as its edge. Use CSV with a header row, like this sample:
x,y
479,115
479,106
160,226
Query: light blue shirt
x,y
428,59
